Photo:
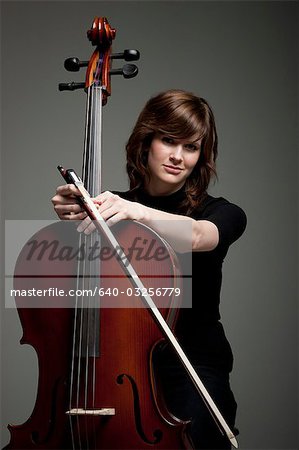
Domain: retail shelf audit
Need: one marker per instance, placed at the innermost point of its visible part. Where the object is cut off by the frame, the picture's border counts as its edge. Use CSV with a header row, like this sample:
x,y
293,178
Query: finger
x,y
68,208
107,210
115,219
68,189
104,196
90,229
64,200
73,216
84,224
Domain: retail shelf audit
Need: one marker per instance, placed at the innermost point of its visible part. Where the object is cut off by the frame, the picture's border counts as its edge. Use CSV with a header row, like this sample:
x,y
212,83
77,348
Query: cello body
x,y
114,401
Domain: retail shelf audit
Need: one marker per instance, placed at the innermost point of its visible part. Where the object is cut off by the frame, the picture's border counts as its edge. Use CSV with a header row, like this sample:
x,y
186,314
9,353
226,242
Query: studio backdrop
x,y
242,57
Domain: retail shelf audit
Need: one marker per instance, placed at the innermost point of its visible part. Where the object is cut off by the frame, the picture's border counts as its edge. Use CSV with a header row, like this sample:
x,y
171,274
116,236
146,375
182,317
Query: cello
x,y
97,386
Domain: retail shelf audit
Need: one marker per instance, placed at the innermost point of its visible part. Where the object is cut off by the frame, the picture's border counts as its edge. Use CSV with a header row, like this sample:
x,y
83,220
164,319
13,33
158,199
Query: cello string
x,y
86,138
79,345
85,317
77,335
76,342
85,344
90,280
97,188
90,312
95,191
74,349
88,273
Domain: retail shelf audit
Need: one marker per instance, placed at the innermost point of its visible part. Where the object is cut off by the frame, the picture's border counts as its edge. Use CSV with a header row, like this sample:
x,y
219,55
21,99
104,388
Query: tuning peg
x,y
70,86
127,55
74,65
127,71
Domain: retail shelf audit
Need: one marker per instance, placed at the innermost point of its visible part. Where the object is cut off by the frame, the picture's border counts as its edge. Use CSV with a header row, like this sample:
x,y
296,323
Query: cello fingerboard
x,y
87,315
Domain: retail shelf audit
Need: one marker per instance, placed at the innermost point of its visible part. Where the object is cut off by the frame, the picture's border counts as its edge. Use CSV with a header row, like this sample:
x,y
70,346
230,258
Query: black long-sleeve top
x,y
198,328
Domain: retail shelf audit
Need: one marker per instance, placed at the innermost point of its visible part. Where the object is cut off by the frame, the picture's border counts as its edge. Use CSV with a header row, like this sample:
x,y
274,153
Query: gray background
x,y
243,58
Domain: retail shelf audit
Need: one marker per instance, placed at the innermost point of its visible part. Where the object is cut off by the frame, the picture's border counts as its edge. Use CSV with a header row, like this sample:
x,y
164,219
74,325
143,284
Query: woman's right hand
x,y
66,204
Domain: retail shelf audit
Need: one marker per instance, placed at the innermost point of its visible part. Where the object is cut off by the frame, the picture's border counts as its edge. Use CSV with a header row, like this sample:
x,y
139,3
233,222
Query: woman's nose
x,y
176,153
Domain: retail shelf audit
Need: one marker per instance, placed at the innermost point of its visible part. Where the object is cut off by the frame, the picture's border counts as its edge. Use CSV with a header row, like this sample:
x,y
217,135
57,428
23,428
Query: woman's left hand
x,y
113,209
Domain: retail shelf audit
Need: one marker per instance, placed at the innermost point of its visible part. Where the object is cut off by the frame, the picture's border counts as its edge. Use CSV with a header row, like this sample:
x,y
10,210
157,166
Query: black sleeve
x,y
230,220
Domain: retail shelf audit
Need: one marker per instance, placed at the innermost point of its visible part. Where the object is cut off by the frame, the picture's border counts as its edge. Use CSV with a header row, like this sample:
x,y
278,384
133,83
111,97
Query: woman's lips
x,y
172,169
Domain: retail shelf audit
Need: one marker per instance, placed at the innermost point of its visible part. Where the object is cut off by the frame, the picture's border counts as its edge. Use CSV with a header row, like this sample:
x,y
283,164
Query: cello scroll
x,y
99,67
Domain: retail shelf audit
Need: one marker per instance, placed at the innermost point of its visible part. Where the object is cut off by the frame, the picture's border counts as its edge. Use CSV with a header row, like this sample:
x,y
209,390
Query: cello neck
x,y
92,156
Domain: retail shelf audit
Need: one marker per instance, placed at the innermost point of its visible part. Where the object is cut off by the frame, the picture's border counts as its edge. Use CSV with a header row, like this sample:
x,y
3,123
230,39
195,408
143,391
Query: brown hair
x,y
180,115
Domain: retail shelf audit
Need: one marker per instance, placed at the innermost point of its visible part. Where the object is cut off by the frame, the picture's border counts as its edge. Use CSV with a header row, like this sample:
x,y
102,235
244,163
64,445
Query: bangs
x,y
183,122
192,134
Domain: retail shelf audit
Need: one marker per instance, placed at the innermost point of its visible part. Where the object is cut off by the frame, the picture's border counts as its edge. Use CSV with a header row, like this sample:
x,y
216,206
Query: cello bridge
x,y
91,412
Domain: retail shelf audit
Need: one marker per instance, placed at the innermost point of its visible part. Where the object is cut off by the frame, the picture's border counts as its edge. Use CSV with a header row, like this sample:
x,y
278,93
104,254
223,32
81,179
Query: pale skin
x,y
170,162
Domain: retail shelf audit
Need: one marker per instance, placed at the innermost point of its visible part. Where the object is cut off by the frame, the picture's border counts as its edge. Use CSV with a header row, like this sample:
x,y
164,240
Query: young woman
x,y
171,157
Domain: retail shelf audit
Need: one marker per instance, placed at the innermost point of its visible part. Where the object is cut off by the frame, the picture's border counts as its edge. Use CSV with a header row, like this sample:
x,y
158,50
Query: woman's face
x,y
170,162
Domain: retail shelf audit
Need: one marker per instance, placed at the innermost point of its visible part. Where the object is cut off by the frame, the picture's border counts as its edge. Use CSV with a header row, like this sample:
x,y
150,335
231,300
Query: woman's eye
x,y
192,147
167,140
